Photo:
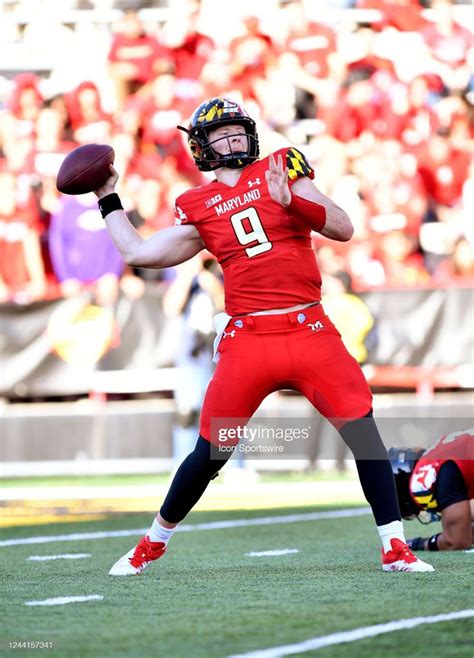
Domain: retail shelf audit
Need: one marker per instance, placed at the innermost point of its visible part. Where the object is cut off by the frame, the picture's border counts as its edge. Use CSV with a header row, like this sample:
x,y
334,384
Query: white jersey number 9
x,y
256,234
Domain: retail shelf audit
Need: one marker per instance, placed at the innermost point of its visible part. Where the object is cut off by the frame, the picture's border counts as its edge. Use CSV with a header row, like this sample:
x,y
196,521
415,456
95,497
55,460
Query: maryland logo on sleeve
x,y
180,216
297,165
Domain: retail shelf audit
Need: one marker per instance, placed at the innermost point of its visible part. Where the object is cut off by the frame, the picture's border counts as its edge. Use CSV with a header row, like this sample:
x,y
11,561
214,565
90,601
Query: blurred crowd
x,y
380,100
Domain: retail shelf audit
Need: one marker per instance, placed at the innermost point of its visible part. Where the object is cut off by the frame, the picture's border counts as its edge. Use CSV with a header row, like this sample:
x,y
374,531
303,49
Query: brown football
x,y
85,169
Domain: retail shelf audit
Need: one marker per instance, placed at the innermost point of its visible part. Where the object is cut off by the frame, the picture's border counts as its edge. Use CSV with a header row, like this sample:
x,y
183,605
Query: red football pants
x,y
301,350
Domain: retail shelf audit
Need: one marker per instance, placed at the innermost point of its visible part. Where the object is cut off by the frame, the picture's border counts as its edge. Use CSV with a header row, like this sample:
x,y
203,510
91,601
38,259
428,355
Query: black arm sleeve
x,y
450,486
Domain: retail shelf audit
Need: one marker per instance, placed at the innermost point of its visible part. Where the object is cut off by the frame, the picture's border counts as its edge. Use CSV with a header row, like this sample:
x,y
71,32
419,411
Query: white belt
x,y
221,322
278,311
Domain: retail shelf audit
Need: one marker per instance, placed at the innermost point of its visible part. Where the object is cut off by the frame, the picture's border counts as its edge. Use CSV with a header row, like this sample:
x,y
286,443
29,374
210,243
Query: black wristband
x,y
433,542
109,203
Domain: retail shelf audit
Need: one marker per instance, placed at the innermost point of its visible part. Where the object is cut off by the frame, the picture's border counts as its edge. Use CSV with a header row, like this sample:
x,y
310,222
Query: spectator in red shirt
x,y
404,15
22,276
160,112
251,55
49,146
367,60
448,41
191,50
315,45
443,170
403,266
17,124
355,112
420,120
408,192
89,122
135,56
312,42
151,117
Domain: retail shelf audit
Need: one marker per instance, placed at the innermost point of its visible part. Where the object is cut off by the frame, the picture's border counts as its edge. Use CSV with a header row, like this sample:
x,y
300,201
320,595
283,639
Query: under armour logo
x,y
251,183
317,325
229,333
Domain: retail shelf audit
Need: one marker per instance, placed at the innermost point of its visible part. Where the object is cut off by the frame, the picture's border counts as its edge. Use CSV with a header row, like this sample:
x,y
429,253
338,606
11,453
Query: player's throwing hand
x,y
277,181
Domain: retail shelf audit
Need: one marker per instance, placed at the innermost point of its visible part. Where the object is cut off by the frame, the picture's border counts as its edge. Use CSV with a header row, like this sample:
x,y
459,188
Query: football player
x,y
256,218
438,481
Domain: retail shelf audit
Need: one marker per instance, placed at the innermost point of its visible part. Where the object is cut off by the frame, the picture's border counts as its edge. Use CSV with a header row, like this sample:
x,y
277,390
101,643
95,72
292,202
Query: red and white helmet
x,y
211,114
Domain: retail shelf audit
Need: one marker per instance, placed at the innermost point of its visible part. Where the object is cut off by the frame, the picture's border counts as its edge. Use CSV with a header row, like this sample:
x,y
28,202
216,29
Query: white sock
x,y
158,533
393,530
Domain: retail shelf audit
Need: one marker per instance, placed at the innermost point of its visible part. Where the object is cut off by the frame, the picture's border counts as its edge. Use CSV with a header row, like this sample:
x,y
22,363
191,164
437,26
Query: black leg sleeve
x,y
191,480
373,466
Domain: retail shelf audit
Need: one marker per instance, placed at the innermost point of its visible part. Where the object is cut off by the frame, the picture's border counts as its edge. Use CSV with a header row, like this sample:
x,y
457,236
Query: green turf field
x,y
206,598
161,478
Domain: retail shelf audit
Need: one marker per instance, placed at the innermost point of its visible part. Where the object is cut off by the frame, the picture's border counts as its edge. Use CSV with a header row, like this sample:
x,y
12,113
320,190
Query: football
x,y
85,169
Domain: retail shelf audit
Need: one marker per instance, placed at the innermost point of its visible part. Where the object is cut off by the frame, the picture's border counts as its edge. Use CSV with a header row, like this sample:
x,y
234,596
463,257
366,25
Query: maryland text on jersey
x,y
237,201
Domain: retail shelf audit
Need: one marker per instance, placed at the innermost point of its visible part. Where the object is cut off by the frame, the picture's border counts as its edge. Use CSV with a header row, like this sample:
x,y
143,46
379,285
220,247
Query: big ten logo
x,y
212,202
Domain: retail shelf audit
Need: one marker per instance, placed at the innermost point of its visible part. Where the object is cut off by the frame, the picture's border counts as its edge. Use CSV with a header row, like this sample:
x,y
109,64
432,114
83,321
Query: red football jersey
x,y
457,447
266,256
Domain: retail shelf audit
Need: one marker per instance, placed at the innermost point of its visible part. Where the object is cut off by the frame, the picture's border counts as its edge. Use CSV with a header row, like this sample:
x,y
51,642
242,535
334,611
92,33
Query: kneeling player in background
x,y
438,482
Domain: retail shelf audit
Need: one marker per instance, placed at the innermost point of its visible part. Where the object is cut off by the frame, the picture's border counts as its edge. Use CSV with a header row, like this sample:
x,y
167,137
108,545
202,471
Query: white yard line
x,y
216,525
62,600
273,553
352,636
64,556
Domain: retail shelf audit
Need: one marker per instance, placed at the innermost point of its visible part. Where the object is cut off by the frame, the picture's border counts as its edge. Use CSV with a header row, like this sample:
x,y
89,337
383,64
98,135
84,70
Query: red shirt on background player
x,y
256,218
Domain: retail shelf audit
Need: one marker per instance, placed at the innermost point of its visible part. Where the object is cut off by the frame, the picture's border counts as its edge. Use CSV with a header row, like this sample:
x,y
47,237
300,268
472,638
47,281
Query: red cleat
x,y
138,559
400,558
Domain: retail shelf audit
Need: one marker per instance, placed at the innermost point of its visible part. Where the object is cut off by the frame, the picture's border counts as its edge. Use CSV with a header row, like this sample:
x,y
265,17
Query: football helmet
x,y
403,461
212,114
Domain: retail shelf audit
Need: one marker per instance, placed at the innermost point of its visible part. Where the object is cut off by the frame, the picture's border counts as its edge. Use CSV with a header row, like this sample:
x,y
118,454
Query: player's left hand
x,y
416,544
277,181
